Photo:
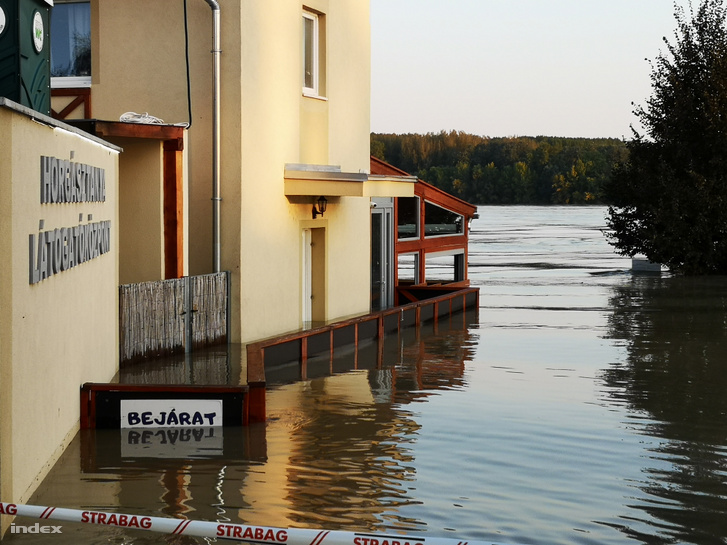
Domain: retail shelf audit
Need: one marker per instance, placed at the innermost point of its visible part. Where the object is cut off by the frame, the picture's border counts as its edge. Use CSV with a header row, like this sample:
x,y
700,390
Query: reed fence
x,y
169,316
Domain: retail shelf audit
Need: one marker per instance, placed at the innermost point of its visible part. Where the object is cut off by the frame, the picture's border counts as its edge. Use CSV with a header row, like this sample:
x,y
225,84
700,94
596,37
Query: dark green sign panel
x,y
25,53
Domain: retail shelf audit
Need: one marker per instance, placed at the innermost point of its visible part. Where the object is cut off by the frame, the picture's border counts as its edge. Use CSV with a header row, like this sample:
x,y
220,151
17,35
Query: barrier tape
x,y
260,535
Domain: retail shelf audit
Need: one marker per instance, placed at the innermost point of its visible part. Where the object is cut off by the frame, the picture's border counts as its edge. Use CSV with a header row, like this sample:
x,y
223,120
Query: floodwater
x,y
582,404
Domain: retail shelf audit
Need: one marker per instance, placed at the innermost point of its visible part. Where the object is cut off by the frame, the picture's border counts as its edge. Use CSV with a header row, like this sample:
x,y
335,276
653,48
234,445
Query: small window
x,y
311,41
439,221
70,55
407,217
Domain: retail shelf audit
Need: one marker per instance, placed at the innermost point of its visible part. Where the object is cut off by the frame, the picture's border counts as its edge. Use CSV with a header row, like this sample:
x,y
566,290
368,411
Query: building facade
x,y
233,135
294,84
58,287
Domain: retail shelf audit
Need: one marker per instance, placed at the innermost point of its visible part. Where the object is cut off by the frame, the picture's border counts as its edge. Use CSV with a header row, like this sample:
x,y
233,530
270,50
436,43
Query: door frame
x,y
384,208
313,275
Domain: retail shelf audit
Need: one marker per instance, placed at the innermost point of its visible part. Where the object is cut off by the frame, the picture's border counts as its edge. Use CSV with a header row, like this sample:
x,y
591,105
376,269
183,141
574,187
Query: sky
x,y
514,67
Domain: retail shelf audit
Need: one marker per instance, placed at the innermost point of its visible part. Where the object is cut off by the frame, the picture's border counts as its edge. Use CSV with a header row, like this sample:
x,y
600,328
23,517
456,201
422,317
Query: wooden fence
x,y
169,316
435,303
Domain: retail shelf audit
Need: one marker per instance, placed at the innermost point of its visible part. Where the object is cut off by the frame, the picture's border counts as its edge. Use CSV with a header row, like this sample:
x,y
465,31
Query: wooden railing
x,y
81,98
325,340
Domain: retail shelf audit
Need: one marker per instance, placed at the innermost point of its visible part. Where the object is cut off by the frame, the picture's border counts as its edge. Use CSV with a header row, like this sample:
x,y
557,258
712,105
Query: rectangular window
x,y
310,53
70,55
439,221
313,54
408,217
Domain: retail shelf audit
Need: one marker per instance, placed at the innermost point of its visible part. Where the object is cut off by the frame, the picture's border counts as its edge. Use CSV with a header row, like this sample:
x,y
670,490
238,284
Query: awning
x,y
329,180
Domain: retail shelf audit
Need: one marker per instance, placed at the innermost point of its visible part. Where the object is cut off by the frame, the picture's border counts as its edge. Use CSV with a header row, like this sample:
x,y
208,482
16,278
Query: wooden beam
x,y
173,210
139,130
82,97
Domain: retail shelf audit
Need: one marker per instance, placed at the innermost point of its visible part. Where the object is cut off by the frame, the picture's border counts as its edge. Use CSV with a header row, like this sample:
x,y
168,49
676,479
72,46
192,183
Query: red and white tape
x,y
261,535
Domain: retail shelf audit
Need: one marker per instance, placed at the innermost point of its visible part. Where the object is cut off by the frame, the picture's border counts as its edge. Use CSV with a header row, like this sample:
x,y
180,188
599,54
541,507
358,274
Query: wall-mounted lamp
x,y
322,204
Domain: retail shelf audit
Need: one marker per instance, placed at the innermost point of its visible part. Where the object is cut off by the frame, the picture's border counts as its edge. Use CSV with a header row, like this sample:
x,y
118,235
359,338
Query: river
x,y
582,404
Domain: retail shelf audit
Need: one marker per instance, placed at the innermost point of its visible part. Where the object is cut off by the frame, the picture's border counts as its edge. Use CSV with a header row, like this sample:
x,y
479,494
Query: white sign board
x,y
3,20
171,413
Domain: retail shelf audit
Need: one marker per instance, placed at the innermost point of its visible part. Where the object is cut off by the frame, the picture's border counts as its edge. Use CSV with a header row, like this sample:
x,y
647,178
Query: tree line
x,y
516,170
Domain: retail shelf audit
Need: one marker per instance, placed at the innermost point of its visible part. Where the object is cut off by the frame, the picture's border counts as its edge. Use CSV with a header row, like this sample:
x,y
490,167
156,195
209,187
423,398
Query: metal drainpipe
x,y
216,199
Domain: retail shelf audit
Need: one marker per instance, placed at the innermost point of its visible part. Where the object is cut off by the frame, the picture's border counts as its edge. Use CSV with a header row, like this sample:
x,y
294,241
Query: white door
x,y
307,278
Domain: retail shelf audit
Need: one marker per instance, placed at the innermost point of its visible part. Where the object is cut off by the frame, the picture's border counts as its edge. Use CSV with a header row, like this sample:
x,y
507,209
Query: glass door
x,y
382,255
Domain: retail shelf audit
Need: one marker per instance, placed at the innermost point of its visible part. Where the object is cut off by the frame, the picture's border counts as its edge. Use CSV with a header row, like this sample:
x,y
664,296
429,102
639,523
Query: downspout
x,y
216,199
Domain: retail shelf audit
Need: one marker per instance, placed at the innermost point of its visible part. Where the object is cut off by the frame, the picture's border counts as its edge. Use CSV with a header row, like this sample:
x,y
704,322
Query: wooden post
x,y
304,357
173,208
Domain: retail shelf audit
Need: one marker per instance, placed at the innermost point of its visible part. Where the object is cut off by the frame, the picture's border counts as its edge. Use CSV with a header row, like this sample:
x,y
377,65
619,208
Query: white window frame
x,y
70,82
315,55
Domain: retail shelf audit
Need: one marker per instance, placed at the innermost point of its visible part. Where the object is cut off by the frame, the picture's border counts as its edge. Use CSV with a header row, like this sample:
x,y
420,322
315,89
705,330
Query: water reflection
x,y
583,405
335,453
674,380
213,365
350,461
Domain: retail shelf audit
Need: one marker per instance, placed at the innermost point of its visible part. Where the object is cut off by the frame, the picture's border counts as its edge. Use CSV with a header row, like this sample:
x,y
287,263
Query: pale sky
x,y
514,67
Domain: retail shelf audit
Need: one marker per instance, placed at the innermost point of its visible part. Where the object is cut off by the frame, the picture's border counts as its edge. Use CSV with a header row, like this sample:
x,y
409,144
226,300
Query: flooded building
x,y
239,137
58,286
230,137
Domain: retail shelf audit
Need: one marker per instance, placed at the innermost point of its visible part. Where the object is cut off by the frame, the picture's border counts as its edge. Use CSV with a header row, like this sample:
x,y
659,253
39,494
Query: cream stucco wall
x,y
62,331
281,126
141,220
266,124
139,65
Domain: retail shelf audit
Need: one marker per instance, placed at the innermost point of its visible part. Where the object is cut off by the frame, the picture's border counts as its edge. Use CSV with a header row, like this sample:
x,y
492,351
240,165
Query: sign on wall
x,y
170,413
38,32
158,407
56,250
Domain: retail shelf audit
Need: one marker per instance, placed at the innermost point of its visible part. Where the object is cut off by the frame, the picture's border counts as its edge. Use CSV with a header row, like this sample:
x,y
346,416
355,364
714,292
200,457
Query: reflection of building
x,y
341,448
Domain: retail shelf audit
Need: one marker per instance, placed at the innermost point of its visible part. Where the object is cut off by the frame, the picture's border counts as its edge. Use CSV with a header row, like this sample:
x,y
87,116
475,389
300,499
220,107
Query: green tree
x,y
378,149
669,197
519,170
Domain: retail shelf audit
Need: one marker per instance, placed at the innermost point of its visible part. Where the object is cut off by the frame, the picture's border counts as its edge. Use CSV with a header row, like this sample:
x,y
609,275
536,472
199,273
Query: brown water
x,y
582,404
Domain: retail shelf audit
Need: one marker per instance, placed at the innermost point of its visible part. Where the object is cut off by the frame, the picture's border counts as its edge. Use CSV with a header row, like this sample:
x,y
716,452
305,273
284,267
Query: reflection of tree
x,y
675,373
82,54
80,63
